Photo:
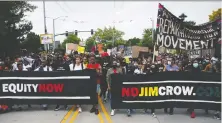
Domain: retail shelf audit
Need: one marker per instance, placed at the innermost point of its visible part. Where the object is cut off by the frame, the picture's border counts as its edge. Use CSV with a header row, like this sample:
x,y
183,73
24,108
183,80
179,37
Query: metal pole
x,y
45,29
53,35
154,48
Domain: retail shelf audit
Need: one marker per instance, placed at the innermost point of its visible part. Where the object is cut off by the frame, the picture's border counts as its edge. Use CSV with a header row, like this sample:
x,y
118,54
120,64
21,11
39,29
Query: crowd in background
x,y
106,66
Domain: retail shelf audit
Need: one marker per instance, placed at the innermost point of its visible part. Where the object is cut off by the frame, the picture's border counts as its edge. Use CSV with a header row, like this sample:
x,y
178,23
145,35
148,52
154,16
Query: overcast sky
x,y
131,17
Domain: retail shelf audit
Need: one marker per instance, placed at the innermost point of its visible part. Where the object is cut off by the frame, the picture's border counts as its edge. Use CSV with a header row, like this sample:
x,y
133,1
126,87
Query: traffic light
x,y
76,32
67,33
91,31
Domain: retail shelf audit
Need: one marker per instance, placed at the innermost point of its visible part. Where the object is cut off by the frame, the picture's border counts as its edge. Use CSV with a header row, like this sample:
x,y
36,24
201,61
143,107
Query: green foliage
x,y
215,15
133,41
32,42
70,39
147,40
90,42
13,25
187,23
106,36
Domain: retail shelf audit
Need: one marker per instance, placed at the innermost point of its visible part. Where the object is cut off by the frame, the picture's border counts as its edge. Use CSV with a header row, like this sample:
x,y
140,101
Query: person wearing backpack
x,y
76,66
44,67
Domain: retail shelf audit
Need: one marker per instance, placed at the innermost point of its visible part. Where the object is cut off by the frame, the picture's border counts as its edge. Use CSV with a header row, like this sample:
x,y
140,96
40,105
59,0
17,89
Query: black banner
x,y
48,87
166,89
173,33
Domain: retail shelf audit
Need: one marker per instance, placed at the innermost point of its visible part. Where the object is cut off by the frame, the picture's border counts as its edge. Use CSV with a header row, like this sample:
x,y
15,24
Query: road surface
x,y
37,115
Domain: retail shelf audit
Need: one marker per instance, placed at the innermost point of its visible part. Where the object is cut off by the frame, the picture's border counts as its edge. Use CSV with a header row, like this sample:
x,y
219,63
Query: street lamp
x,y
154,48
54,29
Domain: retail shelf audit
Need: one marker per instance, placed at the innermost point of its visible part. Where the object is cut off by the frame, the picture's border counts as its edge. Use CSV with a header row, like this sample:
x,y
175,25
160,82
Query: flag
x,y
93,49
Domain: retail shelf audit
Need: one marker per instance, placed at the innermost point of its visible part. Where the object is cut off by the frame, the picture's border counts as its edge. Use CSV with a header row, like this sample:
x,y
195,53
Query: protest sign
x,y
46,38
48,87
173,33
166,89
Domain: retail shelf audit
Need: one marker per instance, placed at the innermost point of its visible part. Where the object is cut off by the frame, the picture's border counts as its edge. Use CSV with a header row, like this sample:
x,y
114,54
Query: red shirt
x,y
94,66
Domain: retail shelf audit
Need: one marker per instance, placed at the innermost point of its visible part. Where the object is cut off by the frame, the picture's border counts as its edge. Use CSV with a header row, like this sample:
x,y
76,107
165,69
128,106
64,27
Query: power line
x,y
61,7
67,6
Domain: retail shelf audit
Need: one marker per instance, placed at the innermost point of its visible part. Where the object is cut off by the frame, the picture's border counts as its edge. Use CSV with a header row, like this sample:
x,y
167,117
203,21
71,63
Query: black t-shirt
x,y
160,67
61,67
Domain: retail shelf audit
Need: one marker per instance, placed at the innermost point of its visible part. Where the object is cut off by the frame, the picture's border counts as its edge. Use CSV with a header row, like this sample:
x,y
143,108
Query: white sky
x,y
100,14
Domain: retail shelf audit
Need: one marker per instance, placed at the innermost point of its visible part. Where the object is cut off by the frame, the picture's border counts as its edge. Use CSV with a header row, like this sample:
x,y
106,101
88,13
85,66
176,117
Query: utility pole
x,y
46,46
53,35
154,48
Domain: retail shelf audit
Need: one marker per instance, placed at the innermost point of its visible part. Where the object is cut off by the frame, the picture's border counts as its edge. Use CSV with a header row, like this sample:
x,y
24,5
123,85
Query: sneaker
x,y
19,109
192,115
128,112
217,116
146,111
45,108
93,109
66,107
80,110
57,108
96,111
112,112
154,115
165,110
171,113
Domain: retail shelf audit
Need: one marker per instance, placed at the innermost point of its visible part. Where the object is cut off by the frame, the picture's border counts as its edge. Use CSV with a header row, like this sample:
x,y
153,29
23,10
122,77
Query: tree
x,y
106,36
70,39
133,41
147,40
13,25
32,42
89,43
188,23
215,15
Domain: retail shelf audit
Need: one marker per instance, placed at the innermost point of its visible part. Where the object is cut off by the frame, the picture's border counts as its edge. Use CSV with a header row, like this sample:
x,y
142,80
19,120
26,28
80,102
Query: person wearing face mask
x,y
195,68
211,67
139,69
60,65
94,65
160,66
44,67
171,66
113,70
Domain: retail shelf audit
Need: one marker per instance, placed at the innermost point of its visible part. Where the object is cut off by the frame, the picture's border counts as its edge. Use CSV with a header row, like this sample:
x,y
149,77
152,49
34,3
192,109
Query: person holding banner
x,y
111,71
93,65
60,65
75,66
20,67
171,67
44,67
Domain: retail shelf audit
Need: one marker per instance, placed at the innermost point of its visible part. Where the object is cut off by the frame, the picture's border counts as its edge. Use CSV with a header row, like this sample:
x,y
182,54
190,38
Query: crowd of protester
x,y
105,67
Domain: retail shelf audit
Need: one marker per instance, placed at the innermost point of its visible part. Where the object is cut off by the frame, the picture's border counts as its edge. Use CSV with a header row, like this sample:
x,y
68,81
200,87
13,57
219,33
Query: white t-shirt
x,y
77,67
46,68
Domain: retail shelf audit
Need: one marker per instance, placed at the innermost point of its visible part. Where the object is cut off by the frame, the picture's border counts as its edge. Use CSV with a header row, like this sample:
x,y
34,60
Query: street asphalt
x,y
36,114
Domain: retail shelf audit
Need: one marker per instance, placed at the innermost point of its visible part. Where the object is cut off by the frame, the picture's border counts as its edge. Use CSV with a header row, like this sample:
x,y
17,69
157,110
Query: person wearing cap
x,y
113,70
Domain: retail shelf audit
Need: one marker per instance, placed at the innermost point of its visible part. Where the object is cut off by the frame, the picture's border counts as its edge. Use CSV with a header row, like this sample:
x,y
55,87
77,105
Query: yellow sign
x,y
46,38
81,49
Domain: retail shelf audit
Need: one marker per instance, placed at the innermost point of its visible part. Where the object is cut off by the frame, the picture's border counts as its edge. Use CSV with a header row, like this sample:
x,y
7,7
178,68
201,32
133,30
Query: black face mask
x,y
123,64
114,66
